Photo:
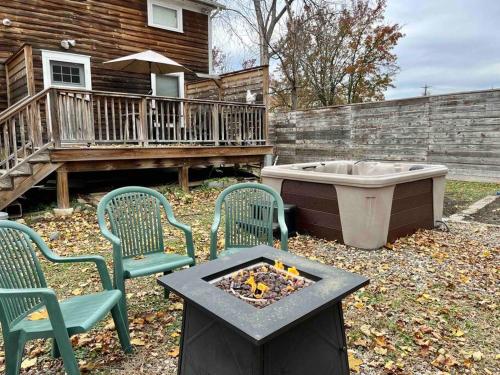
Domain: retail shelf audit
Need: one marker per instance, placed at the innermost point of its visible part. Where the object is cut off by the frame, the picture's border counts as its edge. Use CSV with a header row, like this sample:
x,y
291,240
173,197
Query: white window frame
x,y
170,5
48,56
181,82
181,94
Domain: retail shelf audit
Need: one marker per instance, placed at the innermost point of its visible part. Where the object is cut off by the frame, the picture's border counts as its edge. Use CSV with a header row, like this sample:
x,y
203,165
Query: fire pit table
x,y
263,312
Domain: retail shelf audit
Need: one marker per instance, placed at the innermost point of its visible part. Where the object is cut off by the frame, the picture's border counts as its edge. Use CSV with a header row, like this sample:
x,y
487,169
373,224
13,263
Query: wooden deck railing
x,y
97,117
25,132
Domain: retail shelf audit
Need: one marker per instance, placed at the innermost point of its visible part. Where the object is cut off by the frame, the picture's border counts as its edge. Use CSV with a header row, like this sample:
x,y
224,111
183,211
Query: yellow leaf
x,y
175,334
76,292
359,305
174,353
139,257
354,362
458,333
279,265
28,362
388,365
39,315
464,279
137,342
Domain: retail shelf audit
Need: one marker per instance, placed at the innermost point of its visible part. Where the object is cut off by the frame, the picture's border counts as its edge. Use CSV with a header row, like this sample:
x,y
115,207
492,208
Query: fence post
x,y
215,123
143,122
55,124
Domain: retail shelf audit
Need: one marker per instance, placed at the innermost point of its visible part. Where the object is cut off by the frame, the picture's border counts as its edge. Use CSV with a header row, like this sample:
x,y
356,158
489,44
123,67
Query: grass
x,y
460,194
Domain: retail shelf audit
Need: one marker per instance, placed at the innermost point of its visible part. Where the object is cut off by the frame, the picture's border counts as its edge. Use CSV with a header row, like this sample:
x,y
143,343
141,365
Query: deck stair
x,y
25,140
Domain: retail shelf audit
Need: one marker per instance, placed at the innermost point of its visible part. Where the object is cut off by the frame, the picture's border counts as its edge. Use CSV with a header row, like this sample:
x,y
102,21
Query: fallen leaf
x,y
365,328
477,356
354,363
137,342
28,363
76,292
174,353
39,315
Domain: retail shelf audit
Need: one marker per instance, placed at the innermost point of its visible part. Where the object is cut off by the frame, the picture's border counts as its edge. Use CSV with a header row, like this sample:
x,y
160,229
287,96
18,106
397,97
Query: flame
x,y
279,265
262,288
293,271
251,281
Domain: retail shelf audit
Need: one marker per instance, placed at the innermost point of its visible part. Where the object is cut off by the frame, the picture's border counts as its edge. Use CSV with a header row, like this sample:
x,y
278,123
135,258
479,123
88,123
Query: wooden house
x,y
62,110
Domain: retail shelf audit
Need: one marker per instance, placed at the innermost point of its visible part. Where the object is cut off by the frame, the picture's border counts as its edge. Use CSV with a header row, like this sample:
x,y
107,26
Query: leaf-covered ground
x,y
431,306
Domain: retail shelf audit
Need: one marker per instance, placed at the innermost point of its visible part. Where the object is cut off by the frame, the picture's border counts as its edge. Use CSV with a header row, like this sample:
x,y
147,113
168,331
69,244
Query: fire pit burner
x,y
263,284
300,333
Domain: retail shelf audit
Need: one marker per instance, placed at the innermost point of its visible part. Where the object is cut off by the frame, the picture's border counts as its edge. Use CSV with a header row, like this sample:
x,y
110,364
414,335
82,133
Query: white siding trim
x,y
48,56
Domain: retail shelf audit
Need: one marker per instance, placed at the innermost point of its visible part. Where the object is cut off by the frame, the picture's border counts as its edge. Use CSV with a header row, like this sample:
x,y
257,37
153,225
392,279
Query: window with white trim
x,y
168,84
165,14
61,69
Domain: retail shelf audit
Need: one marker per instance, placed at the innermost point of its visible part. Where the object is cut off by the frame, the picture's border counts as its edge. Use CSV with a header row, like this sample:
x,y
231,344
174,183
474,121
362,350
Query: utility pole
x,y
426,88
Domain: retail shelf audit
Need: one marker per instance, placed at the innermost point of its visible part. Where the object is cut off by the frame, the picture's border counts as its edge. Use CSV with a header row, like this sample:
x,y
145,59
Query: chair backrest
x,y
19,269
134,214
249,211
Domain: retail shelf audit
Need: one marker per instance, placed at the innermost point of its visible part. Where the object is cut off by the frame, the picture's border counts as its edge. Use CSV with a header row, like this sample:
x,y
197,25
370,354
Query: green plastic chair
x,y
249,210
136,233
23,290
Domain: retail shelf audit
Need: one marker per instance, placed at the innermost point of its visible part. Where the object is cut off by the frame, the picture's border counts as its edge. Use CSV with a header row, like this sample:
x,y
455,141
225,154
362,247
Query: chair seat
x,y
154,263
80,313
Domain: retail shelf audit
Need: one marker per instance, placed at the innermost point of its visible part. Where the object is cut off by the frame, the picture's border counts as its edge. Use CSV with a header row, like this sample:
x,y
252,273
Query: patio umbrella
x,y
146,62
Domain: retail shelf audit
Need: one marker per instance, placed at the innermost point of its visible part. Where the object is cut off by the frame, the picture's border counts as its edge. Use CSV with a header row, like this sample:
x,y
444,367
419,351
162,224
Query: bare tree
x,y
262,16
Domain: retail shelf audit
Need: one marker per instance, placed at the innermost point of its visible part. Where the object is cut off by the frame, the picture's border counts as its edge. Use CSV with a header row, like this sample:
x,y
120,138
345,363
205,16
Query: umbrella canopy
x,y
146,62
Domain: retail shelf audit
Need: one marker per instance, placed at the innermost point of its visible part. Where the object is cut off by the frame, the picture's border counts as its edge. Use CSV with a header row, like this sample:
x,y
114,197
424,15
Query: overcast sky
x,y
450,45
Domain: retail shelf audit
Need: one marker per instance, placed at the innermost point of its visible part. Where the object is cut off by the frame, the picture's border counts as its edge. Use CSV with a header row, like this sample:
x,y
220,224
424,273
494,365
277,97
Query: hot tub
x,y
363,204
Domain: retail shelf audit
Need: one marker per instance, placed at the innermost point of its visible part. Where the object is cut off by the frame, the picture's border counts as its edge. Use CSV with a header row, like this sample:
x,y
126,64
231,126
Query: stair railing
x,y
25,131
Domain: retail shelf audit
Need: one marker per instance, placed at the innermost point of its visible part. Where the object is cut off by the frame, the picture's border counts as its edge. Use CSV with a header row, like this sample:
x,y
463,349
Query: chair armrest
x,y
97,260
110,236
188,233
284,232
44,293
213,237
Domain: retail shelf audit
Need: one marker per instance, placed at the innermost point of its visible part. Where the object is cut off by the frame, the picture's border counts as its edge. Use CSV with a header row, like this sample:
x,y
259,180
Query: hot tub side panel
x,y
317,208
412,209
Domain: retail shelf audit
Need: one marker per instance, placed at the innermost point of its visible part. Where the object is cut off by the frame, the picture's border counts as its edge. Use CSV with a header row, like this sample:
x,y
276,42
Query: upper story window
x,y
165,14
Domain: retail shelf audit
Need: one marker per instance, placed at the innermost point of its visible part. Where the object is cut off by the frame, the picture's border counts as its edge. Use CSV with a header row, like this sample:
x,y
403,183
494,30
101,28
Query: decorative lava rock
x,y
244,316
262,284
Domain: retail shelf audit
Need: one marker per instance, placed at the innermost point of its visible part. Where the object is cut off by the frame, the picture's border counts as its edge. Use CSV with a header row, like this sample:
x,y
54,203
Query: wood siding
x,y
412,209
103,29
20,81
232,86
317,208
459,130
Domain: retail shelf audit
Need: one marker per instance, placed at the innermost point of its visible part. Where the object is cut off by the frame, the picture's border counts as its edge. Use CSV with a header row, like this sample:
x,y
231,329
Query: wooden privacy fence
x,y
25,132
97,117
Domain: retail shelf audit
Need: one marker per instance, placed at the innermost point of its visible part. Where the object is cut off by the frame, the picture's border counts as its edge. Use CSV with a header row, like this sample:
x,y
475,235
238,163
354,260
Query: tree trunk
x,y
294,97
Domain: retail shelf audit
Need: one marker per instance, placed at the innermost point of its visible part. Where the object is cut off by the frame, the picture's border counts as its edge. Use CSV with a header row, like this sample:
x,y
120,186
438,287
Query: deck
x,y
72,131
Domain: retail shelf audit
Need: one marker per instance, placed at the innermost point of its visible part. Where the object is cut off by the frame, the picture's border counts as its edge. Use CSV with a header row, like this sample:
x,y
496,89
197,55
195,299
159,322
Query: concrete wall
x,y
459,130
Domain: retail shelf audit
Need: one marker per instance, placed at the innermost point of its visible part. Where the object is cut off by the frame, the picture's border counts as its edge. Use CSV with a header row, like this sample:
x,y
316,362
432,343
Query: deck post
x,y
184,178
62,189
143,122
215,123
55,125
